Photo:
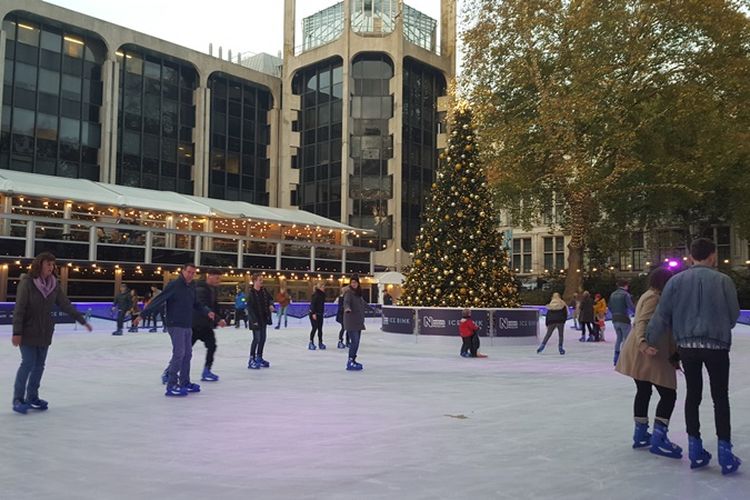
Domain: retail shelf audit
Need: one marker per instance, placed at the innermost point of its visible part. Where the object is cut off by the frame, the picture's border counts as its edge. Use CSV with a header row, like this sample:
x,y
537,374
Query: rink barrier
x,y
495,322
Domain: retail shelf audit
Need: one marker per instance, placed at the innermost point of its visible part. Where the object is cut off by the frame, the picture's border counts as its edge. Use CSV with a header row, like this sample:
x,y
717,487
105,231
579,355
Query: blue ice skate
x,y
641,436
311,346
38,404
340,345
698,455
254,364
207,376
20,406
540,349
192,387
728,461
321,346
660,443
352,365
561,350
264,363
175,391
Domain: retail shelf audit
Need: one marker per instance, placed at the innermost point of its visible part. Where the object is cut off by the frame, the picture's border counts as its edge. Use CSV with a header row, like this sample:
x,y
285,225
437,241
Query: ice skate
x,y
641,436
561,350
38,404
582,339
661,445
352,365
20,406
207,376
698,455
540,348
264,363
728,461
254,364
340,345
311,346
465,355
192,388
175,391
117,332
321,346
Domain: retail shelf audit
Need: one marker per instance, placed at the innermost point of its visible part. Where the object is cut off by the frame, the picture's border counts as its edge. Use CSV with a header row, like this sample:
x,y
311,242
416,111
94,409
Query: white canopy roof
x,y
389,278
82,190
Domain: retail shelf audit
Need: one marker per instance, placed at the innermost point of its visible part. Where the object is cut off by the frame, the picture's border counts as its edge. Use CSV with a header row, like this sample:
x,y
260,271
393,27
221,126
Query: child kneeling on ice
x,y
468,331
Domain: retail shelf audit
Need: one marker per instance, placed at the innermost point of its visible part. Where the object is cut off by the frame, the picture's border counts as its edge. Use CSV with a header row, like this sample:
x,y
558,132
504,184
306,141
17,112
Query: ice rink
x,y
419,422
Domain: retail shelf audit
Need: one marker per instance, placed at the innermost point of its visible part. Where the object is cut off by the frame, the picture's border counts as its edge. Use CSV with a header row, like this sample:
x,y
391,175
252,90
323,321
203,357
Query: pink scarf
x,y
46,287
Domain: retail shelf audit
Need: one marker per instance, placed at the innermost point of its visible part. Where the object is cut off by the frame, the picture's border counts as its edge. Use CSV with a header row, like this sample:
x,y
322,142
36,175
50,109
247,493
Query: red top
x,y
466,327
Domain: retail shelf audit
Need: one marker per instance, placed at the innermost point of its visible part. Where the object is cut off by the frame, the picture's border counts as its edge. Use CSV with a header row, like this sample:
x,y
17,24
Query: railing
x,y
23,236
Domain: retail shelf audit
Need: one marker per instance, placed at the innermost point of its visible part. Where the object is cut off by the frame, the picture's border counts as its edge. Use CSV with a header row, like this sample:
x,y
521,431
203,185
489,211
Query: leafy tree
x,y
629,112
459,259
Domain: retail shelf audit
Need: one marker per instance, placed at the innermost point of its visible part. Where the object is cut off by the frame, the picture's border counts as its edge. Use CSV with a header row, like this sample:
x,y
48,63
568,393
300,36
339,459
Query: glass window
x,y
70,130
73,46
46,126
23,121
51,41
71,87
26,76
28,33
49,81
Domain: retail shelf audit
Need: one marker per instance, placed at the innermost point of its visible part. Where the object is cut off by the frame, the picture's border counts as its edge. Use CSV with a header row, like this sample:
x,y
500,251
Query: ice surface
x,y
419,422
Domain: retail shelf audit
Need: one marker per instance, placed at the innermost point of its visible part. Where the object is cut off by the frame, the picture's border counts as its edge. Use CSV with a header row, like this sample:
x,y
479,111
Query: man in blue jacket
x,y
621,307
700,306
180,297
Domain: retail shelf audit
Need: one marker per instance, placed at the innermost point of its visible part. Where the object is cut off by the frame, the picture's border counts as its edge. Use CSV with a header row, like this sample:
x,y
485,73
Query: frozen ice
x,y
419,422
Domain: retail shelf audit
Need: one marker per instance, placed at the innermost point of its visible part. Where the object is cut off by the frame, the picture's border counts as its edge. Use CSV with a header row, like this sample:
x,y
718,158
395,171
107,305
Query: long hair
x,y
36,265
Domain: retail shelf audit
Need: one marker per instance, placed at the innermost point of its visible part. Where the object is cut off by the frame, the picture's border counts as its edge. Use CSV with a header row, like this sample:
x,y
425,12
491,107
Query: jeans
x,y
282,312
120,319
259,341
667,399
717,365
354,336
551,328
182,353
622,330
29,374
208,337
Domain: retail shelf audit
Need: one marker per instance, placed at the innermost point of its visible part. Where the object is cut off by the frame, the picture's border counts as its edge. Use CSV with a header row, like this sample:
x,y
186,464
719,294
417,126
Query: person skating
x,y
557,315
621,307
259,311
180,298
33,327
240,309
354,320
586,317
134,311
700,306
600,316
121,306
340,320
203,326
469,332
284,299
651,371
317,310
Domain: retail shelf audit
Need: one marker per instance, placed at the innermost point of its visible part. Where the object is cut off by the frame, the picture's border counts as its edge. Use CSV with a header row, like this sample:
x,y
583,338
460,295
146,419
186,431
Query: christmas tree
x,y
460,260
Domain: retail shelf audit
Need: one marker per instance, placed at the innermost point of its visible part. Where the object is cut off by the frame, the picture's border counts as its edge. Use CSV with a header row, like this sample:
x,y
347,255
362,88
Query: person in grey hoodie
x,y
33,327
700,306
354,320
621,306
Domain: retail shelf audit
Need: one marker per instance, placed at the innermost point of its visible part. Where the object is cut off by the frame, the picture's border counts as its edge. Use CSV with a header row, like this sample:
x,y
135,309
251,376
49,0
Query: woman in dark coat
x,y
354,320
33,326
586,317
317,309
259,311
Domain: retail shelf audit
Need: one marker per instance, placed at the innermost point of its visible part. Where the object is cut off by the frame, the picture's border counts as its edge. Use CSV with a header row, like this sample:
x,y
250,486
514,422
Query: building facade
x,y
356,140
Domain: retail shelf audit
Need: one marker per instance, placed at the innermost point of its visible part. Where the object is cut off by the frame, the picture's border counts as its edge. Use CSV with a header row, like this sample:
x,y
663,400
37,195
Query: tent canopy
x,y
86,191
389,278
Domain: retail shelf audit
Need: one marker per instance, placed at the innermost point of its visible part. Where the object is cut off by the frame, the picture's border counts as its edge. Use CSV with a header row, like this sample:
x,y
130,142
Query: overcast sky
x,y
248,26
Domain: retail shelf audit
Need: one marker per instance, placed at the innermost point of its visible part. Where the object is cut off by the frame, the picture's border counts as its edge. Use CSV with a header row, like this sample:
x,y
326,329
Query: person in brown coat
x,y
649,368
33,327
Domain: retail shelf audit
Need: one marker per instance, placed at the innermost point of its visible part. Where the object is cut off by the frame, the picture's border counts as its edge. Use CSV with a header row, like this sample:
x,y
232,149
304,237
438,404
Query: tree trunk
x,y
574,279
578,211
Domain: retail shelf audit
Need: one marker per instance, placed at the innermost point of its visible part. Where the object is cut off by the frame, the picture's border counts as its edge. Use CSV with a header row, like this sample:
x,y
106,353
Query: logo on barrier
x,y
430,322
507,324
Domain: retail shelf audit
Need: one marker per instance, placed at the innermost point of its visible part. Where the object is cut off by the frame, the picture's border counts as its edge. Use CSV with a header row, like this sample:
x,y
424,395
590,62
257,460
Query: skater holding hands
x,y
469,332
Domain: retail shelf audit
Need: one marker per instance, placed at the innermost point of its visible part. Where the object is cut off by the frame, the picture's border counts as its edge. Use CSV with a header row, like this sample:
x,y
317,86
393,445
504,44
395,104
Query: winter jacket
x,y
340,308
556,316
600,309
700,307
123,302
259,304
634,362
621,306
179,296
317,303
354,311
586,314
207,295
32,315
240,303
467,327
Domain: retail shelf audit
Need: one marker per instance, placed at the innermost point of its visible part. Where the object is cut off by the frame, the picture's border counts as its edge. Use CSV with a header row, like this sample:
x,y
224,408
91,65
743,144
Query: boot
x,y
540,349
699,457
562,351
340,345
728,461
583,338
38,404
254,364
311,346
617,356
321,345
277,326
352,365
20,406
641,436
660,443
208,376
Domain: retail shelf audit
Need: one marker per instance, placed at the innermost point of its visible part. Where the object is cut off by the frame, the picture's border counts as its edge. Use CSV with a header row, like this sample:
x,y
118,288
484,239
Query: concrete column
x,y
109,118
312,259
240,256
169,238
208,242
64,278
448,33
343,261
197,251
118,282
290,22
6,207
3,282
273,152
30,239
346,113
3,41
67,215
395,164
278,256
201,136
93,241
148,257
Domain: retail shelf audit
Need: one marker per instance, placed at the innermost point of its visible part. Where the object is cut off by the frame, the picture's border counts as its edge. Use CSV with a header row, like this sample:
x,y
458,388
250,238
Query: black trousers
x,y
341,334
259,341
317,326
120,319
470,345
717,365
208,337
590,325
667,399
